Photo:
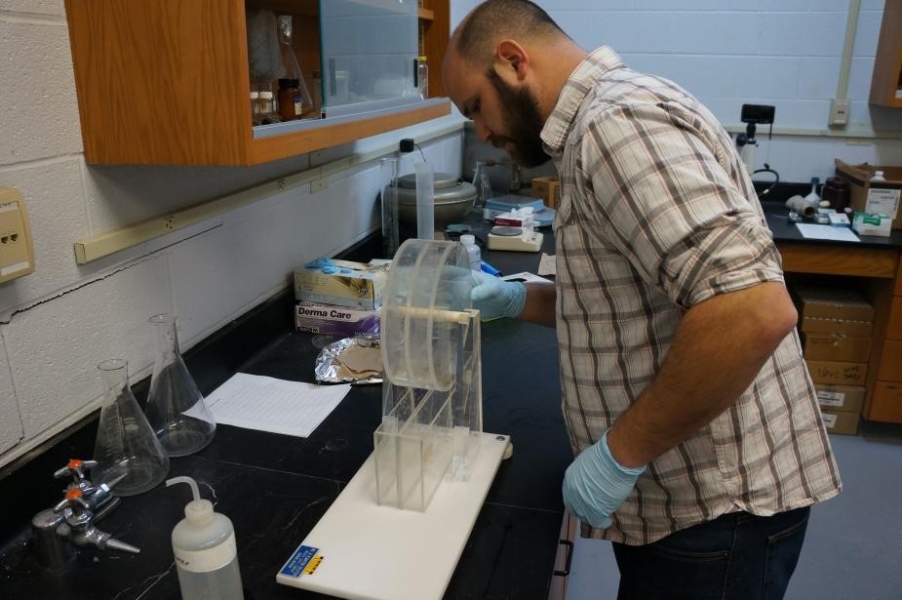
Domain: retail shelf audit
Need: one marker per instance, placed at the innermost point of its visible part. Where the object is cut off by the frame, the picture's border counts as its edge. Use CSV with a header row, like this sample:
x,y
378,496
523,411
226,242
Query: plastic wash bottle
x,y
206,555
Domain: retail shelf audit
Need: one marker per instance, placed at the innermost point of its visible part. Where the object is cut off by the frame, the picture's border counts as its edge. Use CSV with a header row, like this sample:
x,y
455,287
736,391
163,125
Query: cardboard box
x,y
329,319
837,373
840,422
877,196
838,326
867,224
840,398
832,303
835,347
548,189
350,284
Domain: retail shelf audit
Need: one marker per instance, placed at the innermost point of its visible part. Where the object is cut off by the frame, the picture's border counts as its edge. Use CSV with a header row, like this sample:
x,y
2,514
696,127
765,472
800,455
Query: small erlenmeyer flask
x,y
175,408
482,184
126,445
292,80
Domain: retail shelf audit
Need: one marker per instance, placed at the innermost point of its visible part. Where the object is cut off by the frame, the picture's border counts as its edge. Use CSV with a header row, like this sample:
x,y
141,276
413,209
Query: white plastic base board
x,y
362,551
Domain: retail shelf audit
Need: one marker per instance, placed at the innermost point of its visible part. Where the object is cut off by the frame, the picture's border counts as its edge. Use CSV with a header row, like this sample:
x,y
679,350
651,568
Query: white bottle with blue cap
x,y
206,554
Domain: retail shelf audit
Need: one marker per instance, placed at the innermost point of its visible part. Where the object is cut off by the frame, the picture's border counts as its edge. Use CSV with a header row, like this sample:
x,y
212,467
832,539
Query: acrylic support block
x,y
413,448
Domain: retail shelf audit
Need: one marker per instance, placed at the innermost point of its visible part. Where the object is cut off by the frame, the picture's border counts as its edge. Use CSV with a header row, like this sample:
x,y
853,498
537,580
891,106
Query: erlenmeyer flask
x,y
126,445
292,80
175,408
482,184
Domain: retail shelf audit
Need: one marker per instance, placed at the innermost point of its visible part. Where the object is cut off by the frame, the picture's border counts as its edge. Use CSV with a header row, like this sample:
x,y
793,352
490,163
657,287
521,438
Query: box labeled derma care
x,y
329,319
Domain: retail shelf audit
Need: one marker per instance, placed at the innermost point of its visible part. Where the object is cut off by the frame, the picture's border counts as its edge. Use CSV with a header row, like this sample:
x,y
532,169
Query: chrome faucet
x,y
71,521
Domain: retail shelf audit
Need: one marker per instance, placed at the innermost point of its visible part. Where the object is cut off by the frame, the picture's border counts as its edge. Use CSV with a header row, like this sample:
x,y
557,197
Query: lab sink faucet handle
x,y
100,498
76,468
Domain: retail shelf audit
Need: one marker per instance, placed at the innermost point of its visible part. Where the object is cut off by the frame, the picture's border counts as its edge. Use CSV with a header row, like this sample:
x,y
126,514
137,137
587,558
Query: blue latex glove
x,y
595,485
494,297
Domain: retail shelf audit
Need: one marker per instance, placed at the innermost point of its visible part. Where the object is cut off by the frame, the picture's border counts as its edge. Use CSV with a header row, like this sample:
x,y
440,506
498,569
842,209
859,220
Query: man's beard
x,y
522,121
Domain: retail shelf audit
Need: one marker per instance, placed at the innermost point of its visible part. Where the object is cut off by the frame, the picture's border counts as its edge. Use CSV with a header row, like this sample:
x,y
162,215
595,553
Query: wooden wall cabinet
x,y
886,84
166,82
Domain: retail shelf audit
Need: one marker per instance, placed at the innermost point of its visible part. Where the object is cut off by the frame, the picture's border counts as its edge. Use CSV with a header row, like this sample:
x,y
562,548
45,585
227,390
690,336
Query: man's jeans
x,y
737,556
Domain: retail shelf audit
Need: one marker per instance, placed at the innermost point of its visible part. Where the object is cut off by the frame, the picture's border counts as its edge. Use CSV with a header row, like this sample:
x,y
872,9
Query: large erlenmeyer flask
x,y
126,445
175,408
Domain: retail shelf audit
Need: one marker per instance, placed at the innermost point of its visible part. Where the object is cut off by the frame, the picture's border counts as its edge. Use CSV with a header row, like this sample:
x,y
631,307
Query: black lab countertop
x,y
276,487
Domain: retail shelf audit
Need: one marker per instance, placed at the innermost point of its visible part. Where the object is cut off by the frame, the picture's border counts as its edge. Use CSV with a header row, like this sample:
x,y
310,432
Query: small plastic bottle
x,y
813,198
469,242
206,554
878,176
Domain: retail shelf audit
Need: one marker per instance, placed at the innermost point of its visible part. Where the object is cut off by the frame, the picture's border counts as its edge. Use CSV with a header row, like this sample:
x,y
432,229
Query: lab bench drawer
x,y
891,362
894,328
886,405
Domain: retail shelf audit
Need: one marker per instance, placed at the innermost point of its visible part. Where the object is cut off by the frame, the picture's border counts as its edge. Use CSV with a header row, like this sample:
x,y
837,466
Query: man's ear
x,y
512,58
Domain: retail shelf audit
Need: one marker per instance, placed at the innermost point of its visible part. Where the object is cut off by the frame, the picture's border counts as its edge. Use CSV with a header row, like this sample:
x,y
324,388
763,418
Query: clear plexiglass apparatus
x,y
398,528
432,392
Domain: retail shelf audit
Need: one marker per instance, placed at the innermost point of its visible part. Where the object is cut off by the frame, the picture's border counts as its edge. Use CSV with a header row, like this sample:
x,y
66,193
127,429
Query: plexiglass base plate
x,y
362,551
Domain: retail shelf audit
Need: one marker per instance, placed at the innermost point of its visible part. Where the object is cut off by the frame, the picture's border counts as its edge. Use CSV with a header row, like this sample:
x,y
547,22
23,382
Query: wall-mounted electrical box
x,y
16,250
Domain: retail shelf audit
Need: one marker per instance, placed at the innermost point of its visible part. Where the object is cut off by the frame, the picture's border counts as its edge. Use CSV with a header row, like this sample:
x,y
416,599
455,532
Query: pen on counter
x,y
487,268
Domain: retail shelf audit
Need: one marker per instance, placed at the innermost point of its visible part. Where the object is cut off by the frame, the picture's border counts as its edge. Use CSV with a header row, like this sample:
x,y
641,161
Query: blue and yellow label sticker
x,y
305,560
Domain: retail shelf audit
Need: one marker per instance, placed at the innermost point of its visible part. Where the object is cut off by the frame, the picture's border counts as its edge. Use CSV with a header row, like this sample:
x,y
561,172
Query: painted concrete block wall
x,y
785,53
58,323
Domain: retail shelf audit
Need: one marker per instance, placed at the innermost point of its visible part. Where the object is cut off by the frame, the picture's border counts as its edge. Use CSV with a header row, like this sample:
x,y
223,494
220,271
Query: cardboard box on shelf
x,y
840,398
328,319
832,303
350,284
837,373
548,189
836,326
835,347
840,422
873,196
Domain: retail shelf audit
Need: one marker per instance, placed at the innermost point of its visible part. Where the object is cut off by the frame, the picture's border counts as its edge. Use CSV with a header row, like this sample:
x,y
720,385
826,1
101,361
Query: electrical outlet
x,y
839,111
16,251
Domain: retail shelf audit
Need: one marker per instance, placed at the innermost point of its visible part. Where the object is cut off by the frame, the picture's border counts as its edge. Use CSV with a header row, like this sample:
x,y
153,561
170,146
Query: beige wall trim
x,y
94,247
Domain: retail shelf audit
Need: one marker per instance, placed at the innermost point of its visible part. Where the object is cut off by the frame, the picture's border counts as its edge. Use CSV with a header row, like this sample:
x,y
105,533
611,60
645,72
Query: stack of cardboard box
x,y
836,326
339,297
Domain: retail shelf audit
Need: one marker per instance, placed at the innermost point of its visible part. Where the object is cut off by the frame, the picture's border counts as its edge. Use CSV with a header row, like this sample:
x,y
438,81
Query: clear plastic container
x,y
469,242
423,77
427,288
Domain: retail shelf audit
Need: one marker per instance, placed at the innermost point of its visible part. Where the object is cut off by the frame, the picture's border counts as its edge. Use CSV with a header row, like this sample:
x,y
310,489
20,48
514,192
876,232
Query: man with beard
x,y
698,440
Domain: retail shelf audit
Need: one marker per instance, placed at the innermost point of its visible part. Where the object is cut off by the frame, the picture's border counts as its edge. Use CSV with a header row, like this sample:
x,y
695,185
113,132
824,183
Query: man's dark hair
x,y
496,19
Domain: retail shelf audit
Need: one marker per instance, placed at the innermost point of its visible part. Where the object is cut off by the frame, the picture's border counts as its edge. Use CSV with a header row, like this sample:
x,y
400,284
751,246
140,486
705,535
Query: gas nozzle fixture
x,y
71,521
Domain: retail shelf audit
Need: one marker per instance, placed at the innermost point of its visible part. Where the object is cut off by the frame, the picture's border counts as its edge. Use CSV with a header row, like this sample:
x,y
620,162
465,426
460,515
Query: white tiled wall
x,y
58,323
785,53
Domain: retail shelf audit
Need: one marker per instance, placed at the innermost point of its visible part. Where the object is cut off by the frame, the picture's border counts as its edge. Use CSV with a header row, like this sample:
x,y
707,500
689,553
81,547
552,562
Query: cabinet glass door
x,y
369,51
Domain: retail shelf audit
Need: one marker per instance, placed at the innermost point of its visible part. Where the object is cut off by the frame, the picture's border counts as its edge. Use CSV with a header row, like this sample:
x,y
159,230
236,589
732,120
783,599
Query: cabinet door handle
x,y
566,570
